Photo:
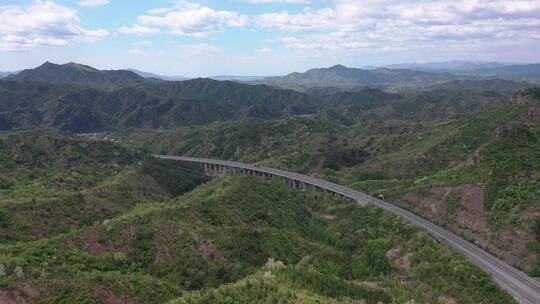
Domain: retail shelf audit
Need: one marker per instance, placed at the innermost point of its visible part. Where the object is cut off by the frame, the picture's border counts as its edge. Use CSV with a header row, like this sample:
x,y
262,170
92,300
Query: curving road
x,y
523,288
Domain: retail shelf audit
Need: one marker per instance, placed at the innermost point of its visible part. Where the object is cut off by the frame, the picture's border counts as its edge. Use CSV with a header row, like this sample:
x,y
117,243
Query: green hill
x,y
465,160
78,74
91,219
524,70
50,184
345,78
80,99
231,239
163,105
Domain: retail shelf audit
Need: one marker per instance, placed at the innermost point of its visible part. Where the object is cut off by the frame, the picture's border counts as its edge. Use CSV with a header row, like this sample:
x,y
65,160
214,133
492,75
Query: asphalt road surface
x,y
523,288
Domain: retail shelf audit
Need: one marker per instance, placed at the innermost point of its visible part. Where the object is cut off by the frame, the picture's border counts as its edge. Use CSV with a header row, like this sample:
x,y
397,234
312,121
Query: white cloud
x,y
93,2
362,26
307,21
135,52
192,19
142,43
159,10
197,49
42,23
138,30
266,51
394,25
281,1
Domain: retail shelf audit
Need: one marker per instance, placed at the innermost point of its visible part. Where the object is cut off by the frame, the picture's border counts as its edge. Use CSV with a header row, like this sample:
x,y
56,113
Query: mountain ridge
x,y
71,106
453,65
78,74
182,78
340,76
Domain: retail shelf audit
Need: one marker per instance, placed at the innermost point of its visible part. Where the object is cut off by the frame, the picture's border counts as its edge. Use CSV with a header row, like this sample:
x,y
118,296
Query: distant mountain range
x,y
156,76
78,98
237,78
78,74
400,76
345,78
524,70
454,65
6,74
182,78
321,81
477,68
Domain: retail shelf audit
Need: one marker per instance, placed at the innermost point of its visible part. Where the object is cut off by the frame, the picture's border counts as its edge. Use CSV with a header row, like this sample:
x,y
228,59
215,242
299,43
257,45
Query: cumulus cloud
x,y
393,25
135,52
93,2
42,23
307,21
160,10
142,43
281,1
192,19
361,26
266,51
197,49
138,30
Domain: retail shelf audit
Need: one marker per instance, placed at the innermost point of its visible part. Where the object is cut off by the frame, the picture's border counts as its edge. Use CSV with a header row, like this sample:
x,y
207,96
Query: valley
x,y
269,152
164,244
87,213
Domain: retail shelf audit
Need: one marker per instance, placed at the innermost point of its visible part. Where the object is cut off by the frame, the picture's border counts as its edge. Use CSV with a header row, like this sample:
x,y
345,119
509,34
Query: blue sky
x,y
264,37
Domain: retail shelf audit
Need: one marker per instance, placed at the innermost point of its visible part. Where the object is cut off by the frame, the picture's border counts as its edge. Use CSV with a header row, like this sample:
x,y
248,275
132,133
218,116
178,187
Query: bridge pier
x,y
524,289
219,170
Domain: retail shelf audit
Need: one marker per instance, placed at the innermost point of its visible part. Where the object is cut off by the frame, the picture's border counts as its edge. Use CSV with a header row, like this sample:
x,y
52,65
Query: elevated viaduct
x,y
524,289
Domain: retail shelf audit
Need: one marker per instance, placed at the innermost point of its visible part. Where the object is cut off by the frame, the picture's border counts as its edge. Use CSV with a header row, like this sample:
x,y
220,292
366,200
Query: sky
x,y
264,37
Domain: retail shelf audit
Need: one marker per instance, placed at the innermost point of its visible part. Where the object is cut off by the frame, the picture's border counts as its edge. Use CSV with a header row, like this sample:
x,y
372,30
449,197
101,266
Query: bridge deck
x,y
522,287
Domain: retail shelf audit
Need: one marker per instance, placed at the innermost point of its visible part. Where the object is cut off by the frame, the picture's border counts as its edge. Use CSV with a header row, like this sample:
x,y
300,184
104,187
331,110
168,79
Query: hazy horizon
x,y
261,75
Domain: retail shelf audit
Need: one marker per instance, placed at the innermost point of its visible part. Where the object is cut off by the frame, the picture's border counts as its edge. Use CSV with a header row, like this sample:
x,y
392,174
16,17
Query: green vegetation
x,y
344,78
232,239
78,74
51,184
79,99
92,219
534,92
483,155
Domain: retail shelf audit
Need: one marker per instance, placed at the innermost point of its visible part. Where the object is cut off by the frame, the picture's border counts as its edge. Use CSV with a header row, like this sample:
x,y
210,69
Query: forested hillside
x,y
76,107
78,74
469,166
92,222
86,215
342,77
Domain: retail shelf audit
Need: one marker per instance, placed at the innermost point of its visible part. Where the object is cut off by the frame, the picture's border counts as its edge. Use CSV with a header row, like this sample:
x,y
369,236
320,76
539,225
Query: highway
x,y
523,288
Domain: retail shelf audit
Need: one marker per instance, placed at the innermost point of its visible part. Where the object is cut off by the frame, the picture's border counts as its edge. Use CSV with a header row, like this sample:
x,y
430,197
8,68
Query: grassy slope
x,y
226,231
117,232
150,104
487,167
51,184
483,165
